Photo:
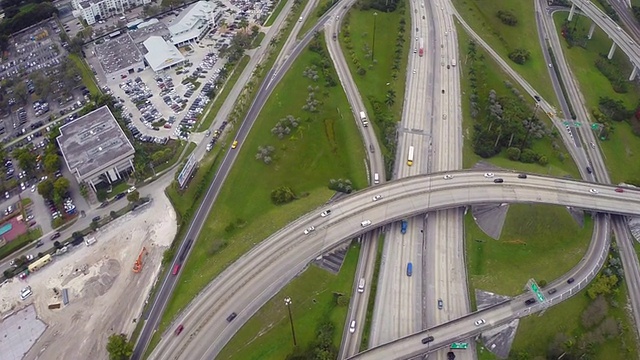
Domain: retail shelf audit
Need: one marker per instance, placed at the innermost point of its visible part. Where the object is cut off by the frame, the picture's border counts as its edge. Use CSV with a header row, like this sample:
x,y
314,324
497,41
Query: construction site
x,y
99,289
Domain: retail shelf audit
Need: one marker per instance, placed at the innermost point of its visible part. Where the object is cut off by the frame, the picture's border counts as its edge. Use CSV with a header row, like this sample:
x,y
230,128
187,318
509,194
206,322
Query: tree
x,y
595,312
507,17
391,98
61,186
513,153
133,196
26,159
45,189
602,285
282,195
51,163
119,347
520,56
113,214
20,91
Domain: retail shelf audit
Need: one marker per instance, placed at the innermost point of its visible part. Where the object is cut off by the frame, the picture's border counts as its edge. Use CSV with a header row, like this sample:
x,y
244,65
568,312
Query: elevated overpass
x,y
256,277
619,37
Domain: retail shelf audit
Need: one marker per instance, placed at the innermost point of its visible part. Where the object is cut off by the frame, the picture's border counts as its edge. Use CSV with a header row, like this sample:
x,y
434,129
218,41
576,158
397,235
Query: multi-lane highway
x,y
167,284
499,314
615,32
211,320
350,344
248,283
398,307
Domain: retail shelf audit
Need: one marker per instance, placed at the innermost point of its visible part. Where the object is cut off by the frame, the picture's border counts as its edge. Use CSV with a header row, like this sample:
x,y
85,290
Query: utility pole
x,y
287,302
373,46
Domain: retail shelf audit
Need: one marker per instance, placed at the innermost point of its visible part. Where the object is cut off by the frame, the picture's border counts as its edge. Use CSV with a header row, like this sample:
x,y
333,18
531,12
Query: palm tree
x,y
391,98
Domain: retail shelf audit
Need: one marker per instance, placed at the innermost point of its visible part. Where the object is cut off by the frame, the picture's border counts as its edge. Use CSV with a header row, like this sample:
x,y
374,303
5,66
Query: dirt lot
x,y
105,295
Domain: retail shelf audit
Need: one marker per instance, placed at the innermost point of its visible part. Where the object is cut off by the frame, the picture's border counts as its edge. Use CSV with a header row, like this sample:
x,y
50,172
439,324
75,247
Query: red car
x,y
619,190
179,329
176,269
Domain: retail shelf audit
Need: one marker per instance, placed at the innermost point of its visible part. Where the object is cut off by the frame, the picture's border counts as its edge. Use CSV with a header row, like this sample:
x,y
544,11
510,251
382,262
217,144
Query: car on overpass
x,y
479,322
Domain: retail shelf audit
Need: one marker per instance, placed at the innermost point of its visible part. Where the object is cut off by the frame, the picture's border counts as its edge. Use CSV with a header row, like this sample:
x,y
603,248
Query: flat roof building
x,y
193,23
160,54
95,148
119,56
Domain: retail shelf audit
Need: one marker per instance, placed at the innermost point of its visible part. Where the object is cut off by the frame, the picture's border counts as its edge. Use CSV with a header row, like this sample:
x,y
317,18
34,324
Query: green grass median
x,y
267,335
623,147
538,241
483,18
325,145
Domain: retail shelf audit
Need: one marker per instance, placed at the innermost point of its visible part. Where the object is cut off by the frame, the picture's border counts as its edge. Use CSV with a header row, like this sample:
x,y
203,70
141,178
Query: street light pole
x,y
373,46
287,302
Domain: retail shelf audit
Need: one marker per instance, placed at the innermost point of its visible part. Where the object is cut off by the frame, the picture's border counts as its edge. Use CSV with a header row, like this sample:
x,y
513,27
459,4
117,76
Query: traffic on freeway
x,y
252,280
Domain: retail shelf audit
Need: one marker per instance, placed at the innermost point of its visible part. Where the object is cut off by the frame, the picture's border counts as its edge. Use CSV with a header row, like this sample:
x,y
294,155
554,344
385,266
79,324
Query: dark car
x,y
530,301
179,329
55,236
537,97
522,176
231,317
451,355
440,304
104,204
571,280
498,181
119,196
427,340
552,291
589,170
96,219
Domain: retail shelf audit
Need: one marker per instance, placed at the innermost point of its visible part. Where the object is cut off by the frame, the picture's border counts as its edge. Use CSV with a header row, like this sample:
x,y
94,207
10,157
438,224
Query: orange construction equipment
x,y
137,267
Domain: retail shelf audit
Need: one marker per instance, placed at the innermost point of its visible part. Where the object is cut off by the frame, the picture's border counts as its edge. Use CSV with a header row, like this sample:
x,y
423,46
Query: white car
x,y
6,195
29,257
23,186
488,175
25,293
325,213
593,191
308,230
33,188
448,177
352,326
479,322
365,223
377,197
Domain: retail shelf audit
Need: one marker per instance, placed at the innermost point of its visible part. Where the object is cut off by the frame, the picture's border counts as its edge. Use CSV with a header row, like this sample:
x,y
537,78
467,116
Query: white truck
x,y
363,118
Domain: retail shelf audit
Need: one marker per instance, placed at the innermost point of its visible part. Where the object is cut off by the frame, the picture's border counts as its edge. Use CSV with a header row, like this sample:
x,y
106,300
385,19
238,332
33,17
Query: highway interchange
x,y
244,287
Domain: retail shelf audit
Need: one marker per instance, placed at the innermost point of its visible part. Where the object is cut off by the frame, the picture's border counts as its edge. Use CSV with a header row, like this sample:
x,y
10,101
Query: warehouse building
x,y
119,56
160,54
95,148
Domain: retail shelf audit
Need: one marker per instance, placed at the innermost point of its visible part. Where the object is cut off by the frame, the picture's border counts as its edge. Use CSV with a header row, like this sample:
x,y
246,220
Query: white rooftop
x,y
161,54
190,17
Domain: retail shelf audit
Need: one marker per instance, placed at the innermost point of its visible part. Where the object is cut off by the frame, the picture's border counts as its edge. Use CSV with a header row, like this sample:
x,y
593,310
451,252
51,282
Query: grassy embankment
x,y
321,148
482,17
623,147
492,78
268,334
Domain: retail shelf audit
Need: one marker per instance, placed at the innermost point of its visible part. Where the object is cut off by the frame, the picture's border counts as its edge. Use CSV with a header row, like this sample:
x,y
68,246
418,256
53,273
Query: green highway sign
x,y
458,345
572,123
595,126
536,290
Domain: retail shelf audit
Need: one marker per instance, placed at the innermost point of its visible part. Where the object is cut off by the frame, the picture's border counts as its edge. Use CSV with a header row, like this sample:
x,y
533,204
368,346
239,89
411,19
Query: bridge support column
x,y
591,29
634,72
573,10
613,49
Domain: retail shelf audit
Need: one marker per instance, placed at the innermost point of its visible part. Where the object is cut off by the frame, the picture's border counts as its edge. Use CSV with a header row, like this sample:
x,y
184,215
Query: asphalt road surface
x,y
252,280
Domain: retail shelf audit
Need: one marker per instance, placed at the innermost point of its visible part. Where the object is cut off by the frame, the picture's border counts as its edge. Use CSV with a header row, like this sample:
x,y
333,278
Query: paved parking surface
x,y
19,332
